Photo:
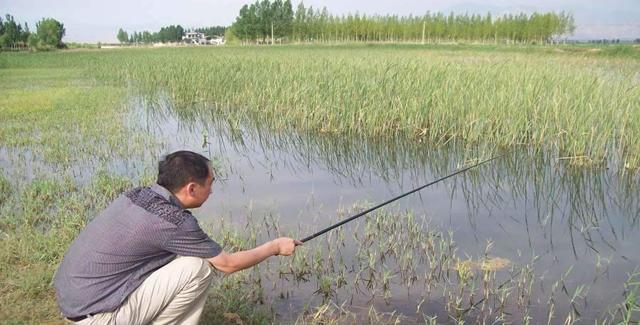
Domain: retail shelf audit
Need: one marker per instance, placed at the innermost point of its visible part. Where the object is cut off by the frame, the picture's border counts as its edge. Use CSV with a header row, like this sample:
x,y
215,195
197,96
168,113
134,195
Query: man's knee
x,y
198,268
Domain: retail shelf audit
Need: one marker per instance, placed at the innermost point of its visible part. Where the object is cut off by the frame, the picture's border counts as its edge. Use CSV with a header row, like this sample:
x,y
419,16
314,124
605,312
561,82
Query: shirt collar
x,y
166,194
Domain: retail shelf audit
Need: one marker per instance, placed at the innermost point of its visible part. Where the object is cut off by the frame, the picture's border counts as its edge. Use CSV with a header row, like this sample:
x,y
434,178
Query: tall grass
x,y
37,224
585,108
582,103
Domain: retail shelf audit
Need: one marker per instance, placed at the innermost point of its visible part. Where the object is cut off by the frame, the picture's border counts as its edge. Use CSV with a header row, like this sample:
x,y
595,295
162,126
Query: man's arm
x,y
229,263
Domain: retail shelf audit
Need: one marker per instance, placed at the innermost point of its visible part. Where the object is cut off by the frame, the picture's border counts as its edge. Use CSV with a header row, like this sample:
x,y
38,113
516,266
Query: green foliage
x,y
575,102
621,51
12,33
318,25
260,19
110,186
33,41
166,34
171,33
230,36
53,113
123,37
50,33
236,299
212,31
629,310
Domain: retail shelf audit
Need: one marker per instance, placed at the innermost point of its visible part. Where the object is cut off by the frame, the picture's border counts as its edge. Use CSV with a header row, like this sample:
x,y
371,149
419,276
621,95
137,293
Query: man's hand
x,y
285,246
229,263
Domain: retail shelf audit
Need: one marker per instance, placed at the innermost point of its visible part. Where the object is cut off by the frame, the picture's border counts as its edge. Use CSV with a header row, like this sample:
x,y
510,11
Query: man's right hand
x,y
229,263
285,246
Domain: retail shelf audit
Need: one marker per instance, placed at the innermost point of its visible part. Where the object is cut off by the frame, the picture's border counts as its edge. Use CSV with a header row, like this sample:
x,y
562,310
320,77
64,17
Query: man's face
x,y
201,192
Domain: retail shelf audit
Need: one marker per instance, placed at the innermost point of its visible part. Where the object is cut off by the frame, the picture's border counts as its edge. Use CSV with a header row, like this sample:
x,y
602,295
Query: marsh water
x,y
576,224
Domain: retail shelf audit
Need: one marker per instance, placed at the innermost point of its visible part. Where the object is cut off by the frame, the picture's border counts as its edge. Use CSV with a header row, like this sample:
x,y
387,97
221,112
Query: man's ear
x,y
191,188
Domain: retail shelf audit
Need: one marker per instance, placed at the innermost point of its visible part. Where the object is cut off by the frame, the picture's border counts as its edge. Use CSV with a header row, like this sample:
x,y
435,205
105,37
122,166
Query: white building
x,y
217,41
200,39
194,38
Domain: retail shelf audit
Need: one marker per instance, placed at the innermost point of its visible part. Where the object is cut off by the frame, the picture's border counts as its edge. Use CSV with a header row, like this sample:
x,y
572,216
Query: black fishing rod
x,y
391,200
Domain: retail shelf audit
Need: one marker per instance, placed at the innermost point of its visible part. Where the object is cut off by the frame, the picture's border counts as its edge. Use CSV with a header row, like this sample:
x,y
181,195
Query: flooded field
x,y
565,239
532,237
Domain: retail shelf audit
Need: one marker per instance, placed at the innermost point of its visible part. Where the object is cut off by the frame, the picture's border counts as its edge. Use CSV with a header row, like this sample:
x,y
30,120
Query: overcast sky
x,y
94,21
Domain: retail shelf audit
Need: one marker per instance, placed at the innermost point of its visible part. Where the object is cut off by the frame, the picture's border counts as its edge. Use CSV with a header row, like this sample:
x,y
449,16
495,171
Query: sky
x,y
98,21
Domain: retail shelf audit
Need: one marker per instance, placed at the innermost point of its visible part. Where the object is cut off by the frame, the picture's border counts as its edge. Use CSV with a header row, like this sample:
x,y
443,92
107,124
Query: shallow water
x,y
530,205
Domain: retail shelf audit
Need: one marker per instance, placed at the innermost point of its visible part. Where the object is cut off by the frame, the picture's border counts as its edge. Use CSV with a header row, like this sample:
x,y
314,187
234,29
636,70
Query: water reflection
x,y
530,188
530,204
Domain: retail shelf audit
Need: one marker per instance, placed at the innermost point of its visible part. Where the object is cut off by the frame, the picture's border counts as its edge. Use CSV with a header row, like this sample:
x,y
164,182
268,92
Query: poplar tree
x,y
310,24
122,36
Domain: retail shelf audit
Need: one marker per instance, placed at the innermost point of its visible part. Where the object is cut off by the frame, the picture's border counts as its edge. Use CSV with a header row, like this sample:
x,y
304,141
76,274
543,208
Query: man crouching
x,y
145,259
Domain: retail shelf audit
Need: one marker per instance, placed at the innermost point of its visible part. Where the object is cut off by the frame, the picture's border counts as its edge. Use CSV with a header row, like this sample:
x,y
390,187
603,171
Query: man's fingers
x,y
297,242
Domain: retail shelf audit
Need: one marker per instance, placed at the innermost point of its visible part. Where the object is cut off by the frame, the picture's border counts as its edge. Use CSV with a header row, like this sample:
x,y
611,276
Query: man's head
x,y
188,176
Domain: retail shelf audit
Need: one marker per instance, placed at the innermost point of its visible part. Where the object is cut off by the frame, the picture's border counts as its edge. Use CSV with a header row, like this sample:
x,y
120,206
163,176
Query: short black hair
x,y
181,167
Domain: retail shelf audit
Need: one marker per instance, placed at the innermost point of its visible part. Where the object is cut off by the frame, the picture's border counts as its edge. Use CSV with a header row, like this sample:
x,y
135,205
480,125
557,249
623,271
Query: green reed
x,y
585,108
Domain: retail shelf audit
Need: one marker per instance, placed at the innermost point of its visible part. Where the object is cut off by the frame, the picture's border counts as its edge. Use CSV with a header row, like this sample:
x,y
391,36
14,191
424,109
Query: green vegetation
x,y
264,20
395,255
49,33
51,112
12,34
582,102
630,308
122,36
172,33
584,107
37,225
69,108
212,30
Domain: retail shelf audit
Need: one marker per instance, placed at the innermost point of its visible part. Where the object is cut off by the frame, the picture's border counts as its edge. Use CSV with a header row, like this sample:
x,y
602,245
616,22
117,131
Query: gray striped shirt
x,y
139,232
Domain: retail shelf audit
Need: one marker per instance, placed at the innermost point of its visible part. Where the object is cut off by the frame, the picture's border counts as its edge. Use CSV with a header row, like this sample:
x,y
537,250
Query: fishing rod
x,y
393,199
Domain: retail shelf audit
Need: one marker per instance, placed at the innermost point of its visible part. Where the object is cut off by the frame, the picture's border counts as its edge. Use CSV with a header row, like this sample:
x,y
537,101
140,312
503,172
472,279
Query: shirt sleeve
x,y
188,239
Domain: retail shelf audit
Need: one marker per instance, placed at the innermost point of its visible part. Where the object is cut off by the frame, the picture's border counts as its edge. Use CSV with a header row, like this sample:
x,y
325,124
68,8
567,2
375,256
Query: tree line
x,y
168,34
13,35
276,19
